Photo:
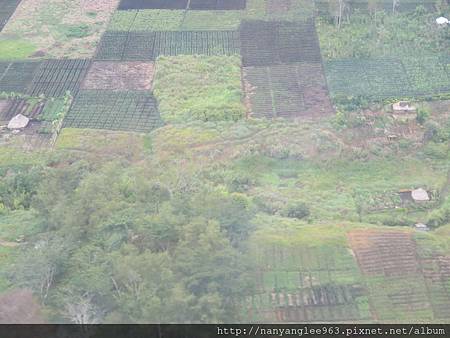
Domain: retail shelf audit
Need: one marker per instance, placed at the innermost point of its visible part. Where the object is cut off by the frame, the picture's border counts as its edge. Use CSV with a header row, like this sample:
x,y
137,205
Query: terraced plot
x,y
267,43
291,90
397,288
150,45
7,8
17,76
99,109
306,283
119,76
55,77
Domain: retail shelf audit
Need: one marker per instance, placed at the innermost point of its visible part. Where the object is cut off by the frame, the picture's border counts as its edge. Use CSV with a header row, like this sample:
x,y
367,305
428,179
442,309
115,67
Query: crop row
x,y
290,90
183,4
128,111
49,78
266,43
148,46
388,78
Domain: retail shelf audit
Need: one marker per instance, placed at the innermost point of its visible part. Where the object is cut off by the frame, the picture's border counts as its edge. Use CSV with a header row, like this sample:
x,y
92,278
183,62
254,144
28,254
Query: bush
x,y
422,115
298,210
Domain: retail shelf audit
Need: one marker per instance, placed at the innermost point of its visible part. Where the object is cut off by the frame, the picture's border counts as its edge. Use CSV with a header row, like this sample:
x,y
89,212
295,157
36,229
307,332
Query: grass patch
x,y
15,49
199,88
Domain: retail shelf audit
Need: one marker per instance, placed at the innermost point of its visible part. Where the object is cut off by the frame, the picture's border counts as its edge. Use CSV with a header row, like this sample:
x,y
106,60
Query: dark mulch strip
x,y
153,4
101,109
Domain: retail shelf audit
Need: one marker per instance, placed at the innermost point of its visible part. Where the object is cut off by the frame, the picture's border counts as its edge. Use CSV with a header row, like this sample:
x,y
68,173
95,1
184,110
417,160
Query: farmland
x,y
225,161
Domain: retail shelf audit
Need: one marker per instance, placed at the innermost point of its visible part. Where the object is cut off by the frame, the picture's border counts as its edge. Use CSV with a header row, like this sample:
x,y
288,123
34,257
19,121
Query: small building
x,y
419,195
421,227
404,110
18,122
441,21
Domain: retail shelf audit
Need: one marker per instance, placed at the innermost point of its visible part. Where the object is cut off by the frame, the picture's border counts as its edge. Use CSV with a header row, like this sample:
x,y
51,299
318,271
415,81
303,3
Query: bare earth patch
x,y
61,28
120,76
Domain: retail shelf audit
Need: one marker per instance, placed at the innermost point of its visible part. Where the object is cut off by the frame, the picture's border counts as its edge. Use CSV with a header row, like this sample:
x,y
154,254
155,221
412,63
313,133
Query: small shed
x,y
18,122
421,227
420,195
441,21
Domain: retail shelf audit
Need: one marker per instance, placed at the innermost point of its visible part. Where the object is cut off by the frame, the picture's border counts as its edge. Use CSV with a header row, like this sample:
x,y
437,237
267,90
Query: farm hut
x,y
416,195
420,195
421,227
18,122
441,21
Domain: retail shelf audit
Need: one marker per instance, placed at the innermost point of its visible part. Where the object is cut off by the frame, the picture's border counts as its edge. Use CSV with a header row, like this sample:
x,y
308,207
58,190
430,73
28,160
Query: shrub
x,y
298,210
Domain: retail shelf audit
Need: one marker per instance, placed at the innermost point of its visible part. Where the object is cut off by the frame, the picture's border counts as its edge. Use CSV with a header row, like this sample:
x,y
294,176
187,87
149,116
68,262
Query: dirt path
x,y
7,244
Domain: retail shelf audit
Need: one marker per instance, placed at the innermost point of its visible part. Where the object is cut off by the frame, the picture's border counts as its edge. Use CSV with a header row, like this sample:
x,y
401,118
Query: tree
x,y
212,271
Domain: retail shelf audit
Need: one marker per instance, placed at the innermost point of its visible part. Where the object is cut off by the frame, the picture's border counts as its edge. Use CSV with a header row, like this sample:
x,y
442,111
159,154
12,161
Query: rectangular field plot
x,y
148,46
306,284
17,76
119,76
128,111
266,43
381,78
146,20
377,79
153,4
7,8
388,259
217,4
56,77
212,20
292,90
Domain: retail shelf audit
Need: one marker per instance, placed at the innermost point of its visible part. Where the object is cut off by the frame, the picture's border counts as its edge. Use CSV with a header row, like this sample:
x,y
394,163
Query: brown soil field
x,y
119,76
385,253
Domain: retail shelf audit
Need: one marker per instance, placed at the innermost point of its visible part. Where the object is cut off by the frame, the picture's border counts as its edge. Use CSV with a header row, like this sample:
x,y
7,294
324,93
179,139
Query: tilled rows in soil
x,y
55,77
7,8
436,270
290,90
149,45
183,4
268,43
103,109
50,78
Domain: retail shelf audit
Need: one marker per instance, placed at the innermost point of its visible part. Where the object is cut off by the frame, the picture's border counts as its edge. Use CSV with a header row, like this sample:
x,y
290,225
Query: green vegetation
x,y
13,49
199,88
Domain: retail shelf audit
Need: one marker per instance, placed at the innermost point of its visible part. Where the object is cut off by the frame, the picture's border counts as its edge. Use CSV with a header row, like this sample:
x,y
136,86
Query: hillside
x,y
224,161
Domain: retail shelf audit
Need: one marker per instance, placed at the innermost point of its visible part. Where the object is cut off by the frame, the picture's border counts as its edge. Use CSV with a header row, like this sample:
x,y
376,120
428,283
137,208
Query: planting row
x,y
292,90
183,4
388,78
266,43
99,109
150,45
